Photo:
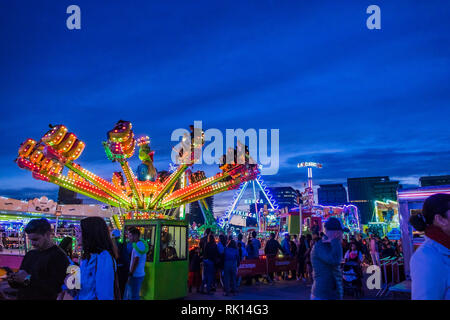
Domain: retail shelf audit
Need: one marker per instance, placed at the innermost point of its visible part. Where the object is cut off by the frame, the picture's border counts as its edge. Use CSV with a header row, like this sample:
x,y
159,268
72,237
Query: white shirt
x,y
430,272
140,269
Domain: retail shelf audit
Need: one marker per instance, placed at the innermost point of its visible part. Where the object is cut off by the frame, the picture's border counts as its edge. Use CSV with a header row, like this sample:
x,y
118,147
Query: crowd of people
x,y
109,269
217,257
112,269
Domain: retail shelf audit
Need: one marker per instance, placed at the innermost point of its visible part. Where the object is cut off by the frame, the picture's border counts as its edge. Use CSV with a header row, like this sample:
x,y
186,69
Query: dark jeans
x,y
135,284
122,273
229,277
301,267
209,272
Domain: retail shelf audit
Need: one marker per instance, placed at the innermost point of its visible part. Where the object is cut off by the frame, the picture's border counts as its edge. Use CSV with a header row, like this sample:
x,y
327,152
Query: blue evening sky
x,y
362,102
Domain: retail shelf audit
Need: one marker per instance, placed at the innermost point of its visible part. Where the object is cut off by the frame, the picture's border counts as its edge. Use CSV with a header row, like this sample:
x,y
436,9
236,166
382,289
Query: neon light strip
x,y
167,184
265,195
421,194
83,188
132,183
181,193
104,185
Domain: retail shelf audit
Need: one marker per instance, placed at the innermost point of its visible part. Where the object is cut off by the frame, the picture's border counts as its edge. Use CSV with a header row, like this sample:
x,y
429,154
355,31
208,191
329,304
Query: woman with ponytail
x,y
430,264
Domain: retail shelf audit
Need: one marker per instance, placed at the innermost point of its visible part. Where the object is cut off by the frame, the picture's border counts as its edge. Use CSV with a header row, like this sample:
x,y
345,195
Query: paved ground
x,y
280,290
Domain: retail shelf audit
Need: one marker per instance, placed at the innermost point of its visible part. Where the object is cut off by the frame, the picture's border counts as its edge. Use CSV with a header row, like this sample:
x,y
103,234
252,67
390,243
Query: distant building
x,y
435,181
386,190
195,212
363,192
332,195
283,196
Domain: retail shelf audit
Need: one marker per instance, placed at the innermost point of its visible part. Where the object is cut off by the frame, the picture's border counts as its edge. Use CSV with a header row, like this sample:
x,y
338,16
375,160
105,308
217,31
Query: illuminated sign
x,y
252,201
243,214
309,164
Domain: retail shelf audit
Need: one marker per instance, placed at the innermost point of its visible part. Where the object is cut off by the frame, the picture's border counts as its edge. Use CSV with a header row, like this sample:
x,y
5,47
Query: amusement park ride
x,y
149,201
348,214
263,215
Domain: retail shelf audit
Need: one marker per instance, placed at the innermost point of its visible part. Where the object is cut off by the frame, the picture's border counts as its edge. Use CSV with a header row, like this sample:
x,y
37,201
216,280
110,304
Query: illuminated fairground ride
x,y
151,195
267,216
386,219
348,214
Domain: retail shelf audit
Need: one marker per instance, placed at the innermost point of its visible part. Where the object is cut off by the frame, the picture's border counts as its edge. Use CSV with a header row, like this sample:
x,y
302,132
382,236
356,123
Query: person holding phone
x,y
43,269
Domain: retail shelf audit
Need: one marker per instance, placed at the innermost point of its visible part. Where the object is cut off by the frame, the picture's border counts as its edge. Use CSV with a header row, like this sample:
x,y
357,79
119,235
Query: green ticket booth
x,y
166,269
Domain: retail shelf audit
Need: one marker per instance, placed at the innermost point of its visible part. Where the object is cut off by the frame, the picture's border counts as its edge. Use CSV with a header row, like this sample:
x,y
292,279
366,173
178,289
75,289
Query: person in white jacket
x,y
430,264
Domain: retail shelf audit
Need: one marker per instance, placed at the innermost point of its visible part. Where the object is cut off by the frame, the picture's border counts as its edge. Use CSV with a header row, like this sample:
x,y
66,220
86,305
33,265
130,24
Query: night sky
x,y
362,102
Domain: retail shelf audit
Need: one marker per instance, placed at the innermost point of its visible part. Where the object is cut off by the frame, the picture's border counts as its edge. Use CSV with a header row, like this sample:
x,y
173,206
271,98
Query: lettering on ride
x,y
247,266
282,263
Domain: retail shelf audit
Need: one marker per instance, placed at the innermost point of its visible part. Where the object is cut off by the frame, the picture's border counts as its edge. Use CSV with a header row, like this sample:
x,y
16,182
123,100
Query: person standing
x,y
204,241
326,257
98,266
231,265
374,253
285,244
430,263
301,252
242,246
296,240
137,266
43,269
309,245
250,249
210,258
315,228
194,277
66,245
123,261
256,245
202,245
271,250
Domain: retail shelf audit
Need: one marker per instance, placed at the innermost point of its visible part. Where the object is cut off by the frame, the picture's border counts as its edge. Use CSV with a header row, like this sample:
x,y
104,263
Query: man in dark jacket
x,y
272,246
203,241
210,258
326,258
43,269
271,250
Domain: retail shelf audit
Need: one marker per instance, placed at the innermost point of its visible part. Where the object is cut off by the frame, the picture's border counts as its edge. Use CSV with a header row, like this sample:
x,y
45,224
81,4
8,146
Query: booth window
x,y
148,234
173,243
